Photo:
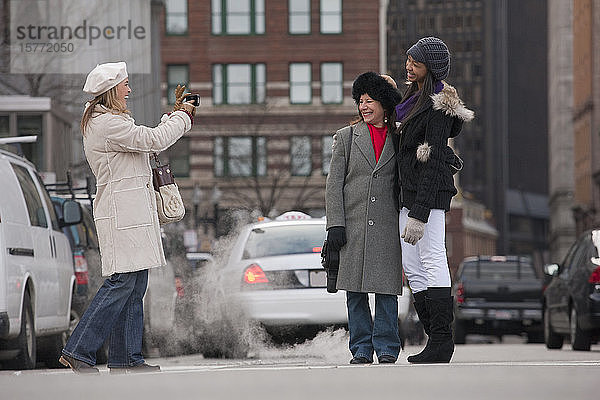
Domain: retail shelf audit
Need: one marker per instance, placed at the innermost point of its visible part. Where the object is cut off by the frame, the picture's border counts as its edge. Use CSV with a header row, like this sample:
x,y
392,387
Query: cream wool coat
x,y
117,151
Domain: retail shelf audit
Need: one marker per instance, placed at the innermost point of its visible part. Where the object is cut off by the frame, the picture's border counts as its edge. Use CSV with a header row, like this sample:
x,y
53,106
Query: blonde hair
x,y
107,99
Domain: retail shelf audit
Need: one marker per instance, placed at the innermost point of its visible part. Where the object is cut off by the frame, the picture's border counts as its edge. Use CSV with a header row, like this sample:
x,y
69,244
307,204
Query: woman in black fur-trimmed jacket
x,y
430,113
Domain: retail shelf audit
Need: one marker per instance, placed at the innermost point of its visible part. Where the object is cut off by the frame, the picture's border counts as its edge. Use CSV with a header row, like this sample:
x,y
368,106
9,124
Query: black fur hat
x,y
378,88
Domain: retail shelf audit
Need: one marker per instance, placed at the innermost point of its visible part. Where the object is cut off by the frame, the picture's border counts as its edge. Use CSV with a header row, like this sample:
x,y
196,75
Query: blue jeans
x,y
366,335
116,310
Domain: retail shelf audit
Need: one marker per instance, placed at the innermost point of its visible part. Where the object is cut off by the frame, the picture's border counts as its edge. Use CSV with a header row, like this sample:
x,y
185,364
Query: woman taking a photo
x,y
430,113
362,210
126,219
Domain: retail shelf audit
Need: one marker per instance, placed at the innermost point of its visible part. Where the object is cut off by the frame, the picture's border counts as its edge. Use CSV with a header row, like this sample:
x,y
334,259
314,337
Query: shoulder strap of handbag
x,y
349,147
156,159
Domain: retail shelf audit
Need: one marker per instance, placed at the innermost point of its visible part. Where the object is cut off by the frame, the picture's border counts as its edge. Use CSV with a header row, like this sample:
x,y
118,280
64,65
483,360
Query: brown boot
x,y
79,367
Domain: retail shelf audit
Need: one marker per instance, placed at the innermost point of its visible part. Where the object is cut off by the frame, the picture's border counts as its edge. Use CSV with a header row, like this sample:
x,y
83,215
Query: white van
x,y
36,267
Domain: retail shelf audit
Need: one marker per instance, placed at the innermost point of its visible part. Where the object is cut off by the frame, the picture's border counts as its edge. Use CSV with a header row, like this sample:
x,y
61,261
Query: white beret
x,y
104,77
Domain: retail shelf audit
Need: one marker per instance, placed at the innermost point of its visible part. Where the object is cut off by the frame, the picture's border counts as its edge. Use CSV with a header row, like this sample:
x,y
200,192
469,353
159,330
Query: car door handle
x,y
52,247
19,251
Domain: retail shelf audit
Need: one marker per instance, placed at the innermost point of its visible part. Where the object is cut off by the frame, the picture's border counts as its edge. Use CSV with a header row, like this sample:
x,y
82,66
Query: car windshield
x,y
497,271
280,240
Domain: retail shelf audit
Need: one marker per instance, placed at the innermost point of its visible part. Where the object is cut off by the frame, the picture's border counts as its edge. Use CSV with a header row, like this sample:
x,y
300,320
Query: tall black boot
x,y
420,304
440,346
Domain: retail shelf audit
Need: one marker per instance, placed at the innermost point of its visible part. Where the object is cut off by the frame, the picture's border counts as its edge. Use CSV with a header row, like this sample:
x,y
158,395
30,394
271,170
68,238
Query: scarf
x,y
404,108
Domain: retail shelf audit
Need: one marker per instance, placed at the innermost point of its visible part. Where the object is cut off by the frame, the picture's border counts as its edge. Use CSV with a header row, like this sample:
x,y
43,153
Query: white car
x,y
36,267
277,265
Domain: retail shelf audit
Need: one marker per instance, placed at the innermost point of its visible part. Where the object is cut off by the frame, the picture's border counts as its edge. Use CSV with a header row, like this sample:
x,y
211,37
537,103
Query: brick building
x,y
275,81
586,113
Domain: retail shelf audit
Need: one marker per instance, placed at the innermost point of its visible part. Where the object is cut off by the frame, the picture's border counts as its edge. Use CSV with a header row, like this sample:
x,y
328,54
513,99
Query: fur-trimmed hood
x,y
448,101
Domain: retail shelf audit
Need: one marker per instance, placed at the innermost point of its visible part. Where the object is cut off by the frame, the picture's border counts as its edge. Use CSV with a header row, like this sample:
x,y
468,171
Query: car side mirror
x,y
551,269
71,213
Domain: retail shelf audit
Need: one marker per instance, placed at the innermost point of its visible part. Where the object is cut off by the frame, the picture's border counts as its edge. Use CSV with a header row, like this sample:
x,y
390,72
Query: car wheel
x,y
552,339
460,332
580,339
26,341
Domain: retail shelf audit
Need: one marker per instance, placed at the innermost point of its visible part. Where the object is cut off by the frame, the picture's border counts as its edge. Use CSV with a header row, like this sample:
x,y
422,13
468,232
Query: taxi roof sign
x,y
293,216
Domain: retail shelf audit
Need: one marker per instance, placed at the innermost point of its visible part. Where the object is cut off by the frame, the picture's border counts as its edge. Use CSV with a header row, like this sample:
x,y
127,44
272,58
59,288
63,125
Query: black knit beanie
x,y
378,88
434,53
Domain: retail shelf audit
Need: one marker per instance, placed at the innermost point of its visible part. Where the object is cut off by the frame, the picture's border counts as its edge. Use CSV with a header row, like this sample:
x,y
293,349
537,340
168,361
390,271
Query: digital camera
x,y
192,98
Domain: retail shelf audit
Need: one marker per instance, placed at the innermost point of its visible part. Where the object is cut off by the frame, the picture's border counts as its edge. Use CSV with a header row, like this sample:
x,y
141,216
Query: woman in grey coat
x,y
362,220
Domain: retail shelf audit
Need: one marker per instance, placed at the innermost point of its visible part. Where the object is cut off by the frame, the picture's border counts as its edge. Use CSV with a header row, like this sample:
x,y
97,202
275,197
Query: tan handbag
x,y
169,203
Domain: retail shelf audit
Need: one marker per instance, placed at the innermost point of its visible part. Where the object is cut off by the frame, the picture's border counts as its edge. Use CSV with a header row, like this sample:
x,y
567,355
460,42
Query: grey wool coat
x,y
361,196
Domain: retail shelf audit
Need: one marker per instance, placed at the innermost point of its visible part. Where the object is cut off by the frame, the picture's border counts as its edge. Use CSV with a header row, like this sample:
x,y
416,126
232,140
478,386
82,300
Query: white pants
x,y
425,264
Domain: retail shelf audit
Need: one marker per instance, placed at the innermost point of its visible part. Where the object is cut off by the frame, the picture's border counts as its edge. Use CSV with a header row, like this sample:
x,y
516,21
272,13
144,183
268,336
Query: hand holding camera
x,y
180,94
191,101
189,107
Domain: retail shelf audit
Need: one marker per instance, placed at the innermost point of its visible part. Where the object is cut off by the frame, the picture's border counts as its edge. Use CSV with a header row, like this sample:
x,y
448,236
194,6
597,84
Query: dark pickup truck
x,y
497,295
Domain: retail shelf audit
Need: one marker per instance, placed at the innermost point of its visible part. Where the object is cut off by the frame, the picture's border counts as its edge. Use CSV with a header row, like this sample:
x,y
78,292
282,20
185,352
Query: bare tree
x,y
271,182
65,90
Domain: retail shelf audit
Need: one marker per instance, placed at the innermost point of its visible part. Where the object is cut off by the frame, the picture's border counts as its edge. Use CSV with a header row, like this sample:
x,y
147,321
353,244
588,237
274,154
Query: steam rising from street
x,y
212,321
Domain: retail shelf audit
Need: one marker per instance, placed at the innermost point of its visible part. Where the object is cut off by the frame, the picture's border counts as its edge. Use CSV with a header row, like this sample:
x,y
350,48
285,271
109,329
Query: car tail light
x,y
179,287
460,294
81,269
317,249
255,274
595,276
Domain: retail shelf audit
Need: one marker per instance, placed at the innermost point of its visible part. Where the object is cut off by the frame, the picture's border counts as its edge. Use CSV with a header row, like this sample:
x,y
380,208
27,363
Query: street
x,y
319,369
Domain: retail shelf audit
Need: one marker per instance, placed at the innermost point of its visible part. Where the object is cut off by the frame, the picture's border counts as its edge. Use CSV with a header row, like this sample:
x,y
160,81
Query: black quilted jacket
x,y
423,156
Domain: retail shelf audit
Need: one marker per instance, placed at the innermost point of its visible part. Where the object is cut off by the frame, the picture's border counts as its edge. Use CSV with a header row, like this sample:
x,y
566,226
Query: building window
x,y
300,156
179,157
300,83
240,156
176,17
238,17
177,75
326,151
331,83
299,17
239,83
331,16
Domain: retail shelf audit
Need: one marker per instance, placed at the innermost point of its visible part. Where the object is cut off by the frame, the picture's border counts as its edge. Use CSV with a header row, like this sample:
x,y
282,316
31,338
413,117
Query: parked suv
x,y
572,299
36,267
497,295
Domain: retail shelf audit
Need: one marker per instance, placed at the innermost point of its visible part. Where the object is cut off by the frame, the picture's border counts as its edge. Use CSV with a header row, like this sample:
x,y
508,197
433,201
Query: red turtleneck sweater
x,y
378,136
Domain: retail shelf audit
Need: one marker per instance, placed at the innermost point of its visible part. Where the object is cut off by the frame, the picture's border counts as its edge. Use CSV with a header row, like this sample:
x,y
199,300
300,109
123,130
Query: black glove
x,y
336,237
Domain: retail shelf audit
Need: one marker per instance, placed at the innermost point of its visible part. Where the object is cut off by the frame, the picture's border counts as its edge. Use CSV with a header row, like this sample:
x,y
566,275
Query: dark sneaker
x,y
138,369
386,359
360,360
77,366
